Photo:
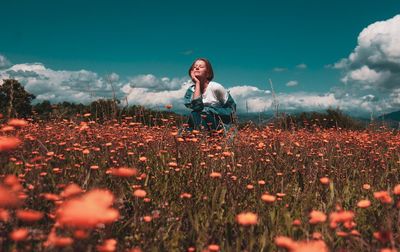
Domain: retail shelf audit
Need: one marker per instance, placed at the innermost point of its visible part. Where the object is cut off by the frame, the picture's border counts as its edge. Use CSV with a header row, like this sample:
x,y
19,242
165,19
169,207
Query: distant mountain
x,y
394,116
257,118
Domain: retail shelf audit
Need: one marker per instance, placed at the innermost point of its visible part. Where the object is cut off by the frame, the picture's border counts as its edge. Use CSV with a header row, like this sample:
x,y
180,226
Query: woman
x,y
213,107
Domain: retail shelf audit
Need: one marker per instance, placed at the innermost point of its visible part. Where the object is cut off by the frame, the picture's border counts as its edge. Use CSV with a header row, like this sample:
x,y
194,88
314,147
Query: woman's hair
x,y
210,71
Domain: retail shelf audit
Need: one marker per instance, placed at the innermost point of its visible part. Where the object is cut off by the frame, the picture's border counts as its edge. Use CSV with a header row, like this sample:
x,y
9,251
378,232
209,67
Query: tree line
x,y
16,102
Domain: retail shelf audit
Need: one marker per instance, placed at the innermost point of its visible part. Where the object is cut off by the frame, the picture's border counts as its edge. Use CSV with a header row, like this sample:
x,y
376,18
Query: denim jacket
x,y
226,111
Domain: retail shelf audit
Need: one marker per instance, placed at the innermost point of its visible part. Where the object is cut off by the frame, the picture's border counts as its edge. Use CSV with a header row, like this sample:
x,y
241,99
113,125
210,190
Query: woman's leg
x,y
213,122
194,120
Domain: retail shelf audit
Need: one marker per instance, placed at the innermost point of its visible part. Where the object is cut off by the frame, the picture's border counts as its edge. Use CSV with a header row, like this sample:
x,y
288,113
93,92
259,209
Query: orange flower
x,y
383,196
94,167
81,234
317,217
147,218
302,246
17,123
340,217
8,197
311,246
268,198
7,128
70,190
57,241
215,175
19,234
172,164
226,153
396,190
122,172
185,195
296,222
89,210
383,236
9,143
388,250
364,203
13,183
247,218
285,242
280,194
213,247
324,180
168,106
29,215
261,182
4,215
341,233
139,193
108,245
316,236
51,196
366,186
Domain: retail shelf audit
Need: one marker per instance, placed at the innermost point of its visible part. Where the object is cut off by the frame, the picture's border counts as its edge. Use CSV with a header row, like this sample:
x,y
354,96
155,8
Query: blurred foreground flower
x,y
57,241
122,172
268,198
383,196
324,180
9,192
17,122
247,218
108,245
139,193
71,190
19,234
215,175
364,203
89,210
340,217
9,143
317,217
29,215
302,246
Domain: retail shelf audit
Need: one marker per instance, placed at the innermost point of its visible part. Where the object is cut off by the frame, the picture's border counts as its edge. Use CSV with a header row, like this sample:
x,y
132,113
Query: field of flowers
x,y
123,186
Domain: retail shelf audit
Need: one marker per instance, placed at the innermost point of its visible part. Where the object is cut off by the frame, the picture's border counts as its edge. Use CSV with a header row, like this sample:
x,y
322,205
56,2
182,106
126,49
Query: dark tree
x,y
43,109
14,100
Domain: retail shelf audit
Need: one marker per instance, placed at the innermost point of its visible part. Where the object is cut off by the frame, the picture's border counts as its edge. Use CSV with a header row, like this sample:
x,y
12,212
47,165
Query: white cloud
x,y
74,86
113,77
152,82
4,62
155,92
280,69
292,83
301,66
375,62
156,98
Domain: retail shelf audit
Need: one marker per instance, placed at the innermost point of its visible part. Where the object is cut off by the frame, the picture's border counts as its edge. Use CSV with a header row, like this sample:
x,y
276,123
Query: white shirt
x,y
215,95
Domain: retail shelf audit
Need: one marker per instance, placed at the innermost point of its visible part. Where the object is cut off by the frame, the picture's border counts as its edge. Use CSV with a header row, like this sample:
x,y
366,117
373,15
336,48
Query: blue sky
x,y
295,43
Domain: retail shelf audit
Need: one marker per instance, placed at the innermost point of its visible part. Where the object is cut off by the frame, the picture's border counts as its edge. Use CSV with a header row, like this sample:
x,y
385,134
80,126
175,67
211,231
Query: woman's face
x,y
200,69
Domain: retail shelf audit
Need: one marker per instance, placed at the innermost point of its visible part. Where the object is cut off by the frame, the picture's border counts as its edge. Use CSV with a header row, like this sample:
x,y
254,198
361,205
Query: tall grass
x,y
196,184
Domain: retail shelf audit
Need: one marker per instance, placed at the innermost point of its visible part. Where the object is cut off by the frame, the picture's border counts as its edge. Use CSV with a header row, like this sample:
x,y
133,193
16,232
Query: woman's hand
x,y
194,78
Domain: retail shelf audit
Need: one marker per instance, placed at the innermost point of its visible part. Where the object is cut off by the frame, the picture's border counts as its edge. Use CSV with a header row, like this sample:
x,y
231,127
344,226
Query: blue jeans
x,y
209,121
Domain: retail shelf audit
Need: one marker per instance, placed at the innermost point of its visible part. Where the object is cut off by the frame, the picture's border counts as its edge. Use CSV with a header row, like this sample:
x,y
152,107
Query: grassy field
x,y
124,186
